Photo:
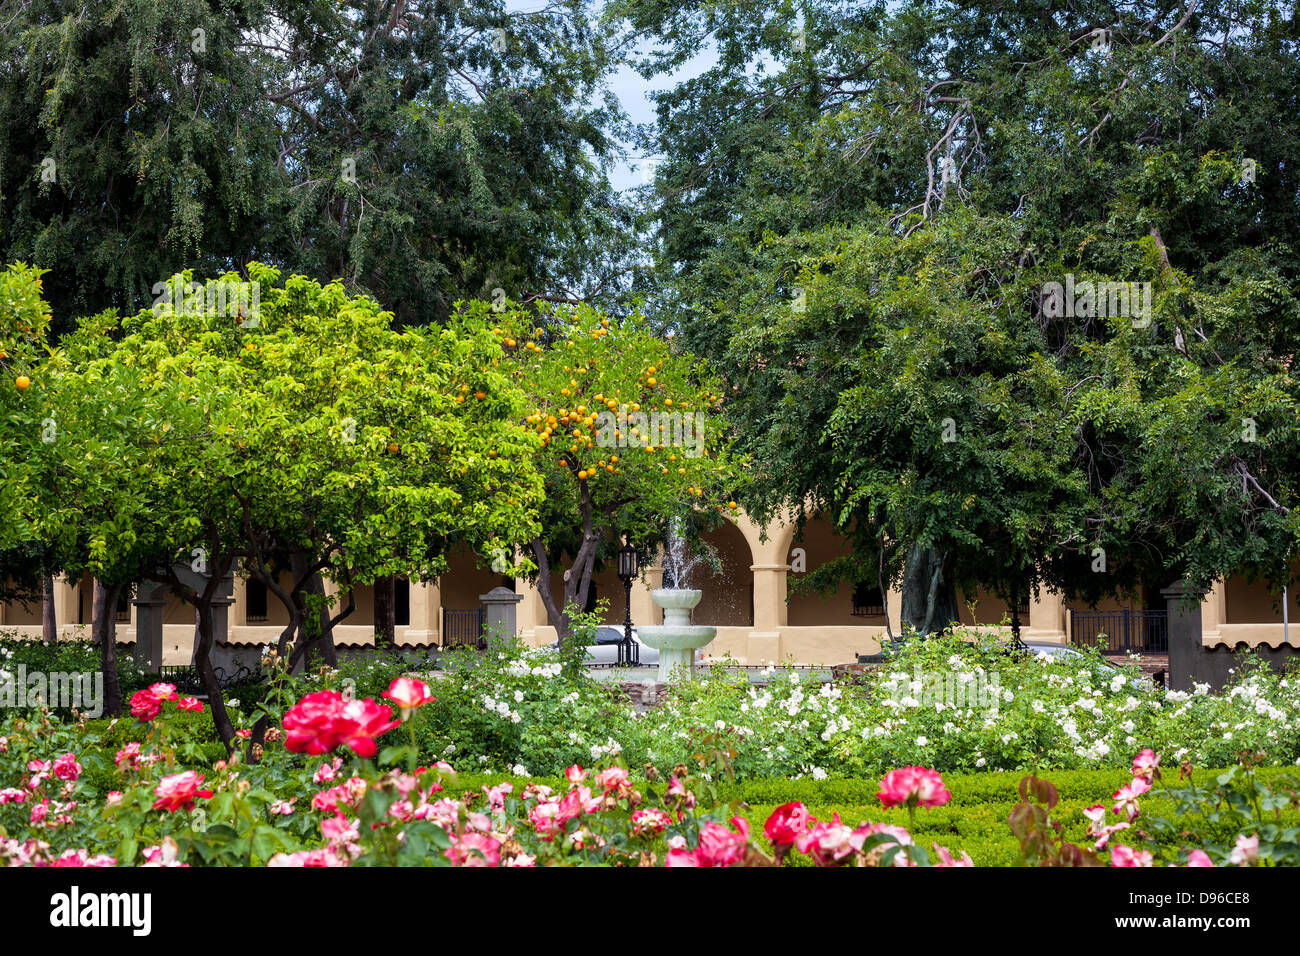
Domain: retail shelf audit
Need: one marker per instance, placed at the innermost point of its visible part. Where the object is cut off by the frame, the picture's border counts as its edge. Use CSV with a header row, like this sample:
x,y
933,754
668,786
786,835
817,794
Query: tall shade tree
x,y
1130,142
418,150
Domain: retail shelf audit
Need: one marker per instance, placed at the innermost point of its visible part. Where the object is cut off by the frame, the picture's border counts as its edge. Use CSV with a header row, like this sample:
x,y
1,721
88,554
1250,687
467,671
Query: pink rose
x,y
719,846
613,778
408,693
1199,858
1126,797
649,821
1246,851
145,705
913,786
163,692
1121,855
66,767
324,721
1145,764
947,859
190,703
179,791
474,849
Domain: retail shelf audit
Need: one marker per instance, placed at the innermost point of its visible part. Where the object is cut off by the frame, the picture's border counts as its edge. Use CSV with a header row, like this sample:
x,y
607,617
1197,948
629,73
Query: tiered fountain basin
x,y
677,638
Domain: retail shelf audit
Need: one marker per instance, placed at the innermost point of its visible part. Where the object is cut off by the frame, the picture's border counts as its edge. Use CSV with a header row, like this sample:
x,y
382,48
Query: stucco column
x,y
239,604
1047,613
1214,611
531,612
894,609
65,606
426,607
644,609
770,607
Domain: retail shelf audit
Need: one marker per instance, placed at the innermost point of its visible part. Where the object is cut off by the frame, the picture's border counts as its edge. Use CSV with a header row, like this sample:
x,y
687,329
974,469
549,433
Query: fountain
x,y
677,638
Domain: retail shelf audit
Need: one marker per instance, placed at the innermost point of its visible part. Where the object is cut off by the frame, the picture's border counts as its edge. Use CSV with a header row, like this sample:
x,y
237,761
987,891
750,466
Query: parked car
x,y
1065,652
604,649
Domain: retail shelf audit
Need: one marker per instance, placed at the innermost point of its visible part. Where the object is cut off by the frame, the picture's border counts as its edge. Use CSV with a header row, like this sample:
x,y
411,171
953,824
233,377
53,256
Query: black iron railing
x,y
460,627
1120,631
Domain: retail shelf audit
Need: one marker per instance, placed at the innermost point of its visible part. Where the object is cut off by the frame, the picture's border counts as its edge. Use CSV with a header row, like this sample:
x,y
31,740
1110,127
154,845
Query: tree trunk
x,y
103,628
929,594
194,653
210,684
314,635
385,612
49,621
325,639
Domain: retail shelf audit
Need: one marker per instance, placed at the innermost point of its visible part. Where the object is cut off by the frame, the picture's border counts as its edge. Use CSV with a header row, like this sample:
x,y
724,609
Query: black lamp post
x,y
628,652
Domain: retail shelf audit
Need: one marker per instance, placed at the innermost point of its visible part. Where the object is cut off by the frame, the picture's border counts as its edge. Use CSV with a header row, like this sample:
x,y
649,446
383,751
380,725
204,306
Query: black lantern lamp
x,y
628,652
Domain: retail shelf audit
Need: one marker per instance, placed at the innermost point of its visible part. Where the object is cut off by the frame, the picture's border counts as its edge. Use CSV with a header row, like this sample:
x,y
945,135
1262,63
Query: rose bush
x,y
952,704
322,803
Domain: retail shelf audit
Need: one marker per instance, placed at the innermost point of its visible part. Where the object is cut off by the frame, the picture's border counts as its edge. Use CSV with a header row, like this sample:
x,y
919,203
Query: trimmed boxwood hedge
x,y
974,821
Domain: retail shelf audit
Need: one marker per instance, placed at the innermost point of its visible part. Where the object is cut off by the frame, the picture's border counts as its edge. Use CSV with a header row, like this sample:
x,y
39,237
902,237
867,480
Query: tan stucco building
x,y
759,615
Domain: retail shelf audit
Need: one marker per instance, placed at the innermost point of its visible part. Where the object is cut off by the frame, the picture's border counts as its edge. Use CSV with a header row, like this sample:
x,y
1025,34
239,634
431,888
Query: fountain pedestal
x,y
677,638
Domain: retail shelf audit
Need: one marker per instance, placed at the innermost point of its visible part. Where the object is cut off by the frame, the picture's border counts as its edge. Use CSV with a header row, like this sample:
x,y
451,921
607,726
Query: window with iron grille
x,y
255,602
867,600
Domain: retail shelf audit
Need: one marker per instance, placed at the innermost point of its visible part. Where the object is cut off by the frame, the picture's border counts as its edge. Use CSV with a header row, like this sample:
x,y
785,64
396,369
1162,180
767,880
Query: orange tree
x,y
631,440
24,319
316,439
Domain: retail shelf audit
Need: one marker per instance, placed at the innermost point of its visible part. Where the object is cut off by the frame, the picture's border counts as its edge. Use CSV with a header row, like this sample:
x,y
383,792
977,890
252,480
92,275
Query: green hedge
x,y
974,821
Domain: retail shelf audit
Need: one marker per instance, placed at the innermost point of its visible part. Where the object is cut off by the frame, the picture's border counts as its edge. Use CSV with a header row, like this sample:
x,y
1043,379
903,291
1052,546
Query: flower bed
x,y
341,786
953,704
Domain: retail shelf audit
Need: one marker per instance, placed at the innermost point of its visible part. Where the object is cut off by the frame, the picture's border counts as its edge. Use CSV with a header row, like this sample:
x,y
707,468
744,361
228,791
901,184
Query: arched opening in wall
x,y
24,613
1251,602
467,576
124,606
852,603
605,584
402,602
85,597
981,607
728,598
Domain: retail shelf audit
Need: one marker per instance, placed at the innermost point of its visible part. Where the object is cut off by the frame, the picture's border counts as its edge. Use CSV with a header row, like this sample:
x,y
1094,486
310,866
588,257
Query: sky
x,y
633,93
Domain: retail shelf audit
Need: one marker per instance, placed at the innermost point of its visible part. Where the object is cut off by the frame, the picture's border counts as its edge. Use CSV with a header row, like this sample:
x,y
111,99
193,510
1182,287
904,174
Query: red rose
x,y
324,721
145,705
786,824
179,791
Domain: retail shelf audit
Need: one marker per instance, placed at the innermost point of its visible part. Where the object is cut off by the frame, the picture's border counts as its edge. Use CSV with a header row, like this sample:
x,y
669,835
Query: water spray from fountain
x,y
681,557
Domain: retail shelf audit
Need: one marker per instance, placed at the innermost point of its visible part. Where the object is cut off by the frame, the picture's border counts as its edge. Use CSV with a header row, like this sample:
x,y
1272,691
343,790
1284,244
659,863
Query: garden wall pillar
x,y
1187,658
221,611
239,606
150,605
500,618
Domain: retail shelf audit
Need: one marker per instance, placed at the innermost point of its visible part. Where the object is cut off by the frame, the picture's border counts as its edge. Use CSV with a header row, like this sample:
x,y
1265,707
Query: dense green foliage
x,y
860,210
417,150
